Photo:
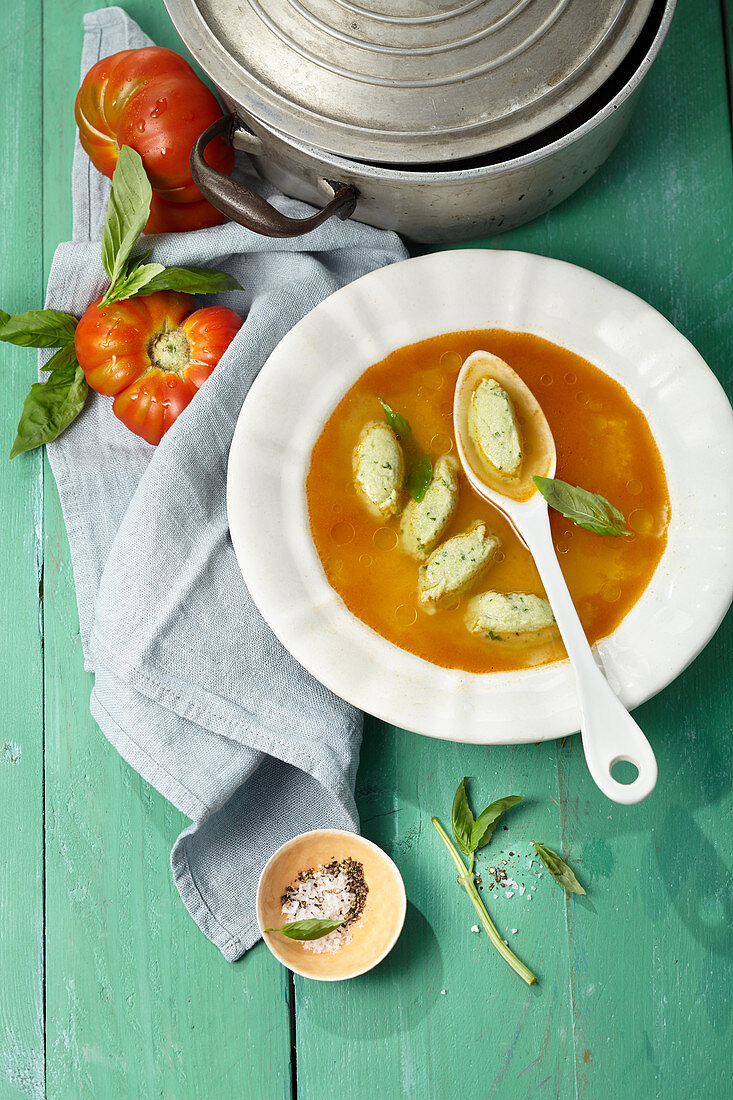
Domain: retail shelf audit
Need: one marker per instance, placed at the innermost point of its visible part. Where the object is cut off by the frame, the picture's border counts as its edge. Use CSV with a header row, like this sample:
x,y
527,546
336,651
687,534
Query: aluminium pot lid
x,y
409,81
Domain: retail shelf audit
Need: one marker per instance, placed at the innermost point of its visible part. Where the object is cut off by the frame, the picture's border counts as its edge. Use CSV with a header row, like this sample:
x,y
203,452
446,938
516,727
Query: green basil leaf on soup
x,y
585,509
418,477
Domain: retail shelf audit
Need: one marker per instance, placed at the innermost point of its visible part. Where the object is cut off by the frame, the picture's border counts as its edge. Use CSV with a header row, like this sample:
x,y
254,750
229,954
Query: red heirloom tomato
x,y
152,354
152,100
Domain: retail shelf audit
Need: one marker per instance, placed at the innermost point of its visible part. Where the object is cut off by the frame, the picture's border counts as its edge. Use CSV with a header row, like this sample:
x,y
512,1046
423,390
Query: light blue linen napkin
x,y
191,686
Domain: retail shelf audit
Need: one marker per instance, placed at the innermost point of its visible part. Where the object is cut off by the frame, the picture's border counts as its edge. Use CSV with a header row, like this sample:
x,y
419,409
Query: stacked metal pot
x,y
445,120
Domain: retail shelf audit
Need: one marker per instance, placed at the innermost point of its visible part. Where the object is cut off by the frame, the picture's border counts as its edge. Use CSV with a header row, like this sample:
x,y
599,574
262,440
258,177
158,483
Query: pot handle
x,y
248,208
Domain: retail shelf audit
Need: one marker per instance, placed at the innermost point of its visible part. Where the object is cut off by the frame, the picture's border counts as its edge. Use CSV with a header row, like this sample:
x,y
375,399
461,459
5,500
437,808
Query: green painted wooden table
x,y
108,989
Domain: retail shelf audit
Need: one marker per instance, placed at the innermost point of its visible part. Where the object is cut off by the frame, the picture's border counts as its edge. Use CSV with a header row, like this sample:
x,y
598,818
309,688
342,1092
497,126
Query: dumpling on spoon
x,y
502,436
492,425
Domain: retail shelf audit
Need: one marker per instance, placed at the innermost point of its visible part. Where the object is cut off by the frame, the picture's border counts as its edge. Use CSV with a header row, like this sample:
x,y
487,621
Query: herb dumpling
x,y
456,564
379,468
497,613
492,425
423,523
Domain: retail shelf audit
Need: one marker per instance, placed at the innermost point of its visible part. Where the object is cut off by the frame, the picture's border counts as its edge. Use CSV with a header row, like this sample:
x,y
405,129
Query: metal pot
x,y
451,179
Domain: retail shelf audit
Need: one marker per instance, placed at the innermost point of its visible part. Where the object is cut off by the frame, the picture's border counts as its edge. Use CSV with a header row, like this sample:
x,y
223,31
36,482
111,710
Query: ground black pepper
x,y
356,884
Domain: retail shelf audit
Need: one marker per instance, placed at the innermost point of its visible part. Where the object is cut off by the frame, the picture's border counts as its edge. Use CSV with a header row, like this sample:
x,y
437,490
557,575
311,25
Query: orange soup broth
x,y
603,444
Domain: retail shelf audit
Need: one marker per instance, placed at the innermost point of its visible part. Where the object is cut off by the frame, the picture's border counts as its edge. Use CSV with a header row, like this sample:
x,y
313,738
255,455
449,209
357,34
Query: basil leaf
x,y
63,358
397,423
39,328
133,282
136,260
418,477
311,929
192,280
462,819
586,509
419,469
3,317
559,869
127,211
50,407
488,820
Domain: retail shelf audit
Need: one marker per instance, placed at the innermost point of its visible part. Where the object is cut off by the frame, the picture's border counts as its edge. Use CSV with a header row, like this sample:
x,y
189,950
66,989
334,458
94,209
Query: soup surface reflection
x,y
603,444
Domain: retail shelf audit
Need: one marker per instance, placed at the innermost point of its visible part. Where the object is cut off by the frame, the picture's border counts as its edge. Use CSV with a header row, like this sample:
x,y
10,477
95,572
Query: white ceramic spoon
x,y
609,732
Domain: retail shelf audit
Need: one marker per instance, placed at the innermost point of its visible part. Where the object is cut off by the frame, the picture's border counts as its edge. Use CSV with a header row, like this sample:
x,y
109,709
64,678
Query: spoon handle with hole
x,y
609,732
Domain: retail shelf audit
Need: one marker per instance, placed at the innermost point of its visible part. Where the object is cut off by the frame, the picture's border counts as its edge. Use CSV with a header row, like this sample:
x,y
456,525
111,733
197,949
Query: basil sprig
x,y
418,467
471,833
127,212
588,510
559,869
465,878
311,929
50,407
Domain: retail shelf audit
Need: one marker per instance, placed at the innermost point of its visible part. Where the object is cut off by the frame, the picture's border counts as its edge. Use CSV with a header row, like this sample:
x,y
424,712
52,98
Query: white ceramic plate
x,y
308,374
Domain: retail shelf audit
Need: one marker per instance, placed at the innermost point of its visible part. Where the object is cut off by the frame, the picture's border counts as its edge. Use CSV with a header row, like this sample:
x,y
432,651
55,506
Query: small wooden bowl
x,y
377,929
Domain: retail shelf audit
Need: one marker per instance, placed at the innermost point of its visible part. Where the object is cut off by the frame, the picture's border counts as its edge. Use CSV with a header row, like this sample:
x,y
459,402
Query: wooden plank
x,y
21,653
727,9
650,949
392,1032
636,978
138,1002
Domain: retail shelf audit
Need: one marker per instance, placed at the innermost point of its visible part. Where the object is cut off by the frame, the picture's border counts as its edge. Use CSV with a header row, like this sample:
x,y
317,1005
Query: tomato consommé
x,y
604,444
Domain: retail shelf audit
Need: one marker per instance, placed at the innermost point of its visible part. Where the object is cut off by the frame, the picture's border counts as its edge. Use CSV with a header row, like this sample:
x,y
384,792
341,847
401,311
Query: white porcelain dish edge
x,y
323,355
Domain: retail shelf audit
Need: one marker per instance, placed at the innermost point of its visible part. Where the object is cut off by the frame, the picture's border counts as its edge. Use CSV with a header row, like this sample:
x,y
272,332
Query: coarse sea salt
x,y
335,891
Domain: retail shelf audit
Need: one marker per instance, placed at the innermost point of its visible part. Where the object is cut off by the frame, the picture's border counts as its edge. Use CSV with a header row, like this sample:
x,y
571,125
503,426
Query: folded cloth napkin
x,y
191,686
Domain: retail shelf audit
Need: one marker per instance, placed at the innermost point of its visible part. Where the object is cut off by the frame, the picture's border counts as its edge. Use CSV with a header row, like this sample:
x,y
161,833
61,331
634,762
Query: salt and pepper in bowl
x,y
346,892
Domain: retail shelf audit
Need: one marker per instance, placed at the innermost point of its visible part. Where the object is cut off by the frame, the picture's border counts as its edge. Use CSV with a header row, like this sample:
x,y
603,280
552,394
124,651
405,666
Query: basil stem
x,y
466,880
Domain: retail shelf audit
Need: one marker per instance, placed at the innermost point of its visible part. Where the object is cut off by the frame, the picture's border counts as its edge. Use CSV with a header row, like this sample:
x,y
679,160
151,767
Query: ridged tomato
x,y
152,100
152,354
